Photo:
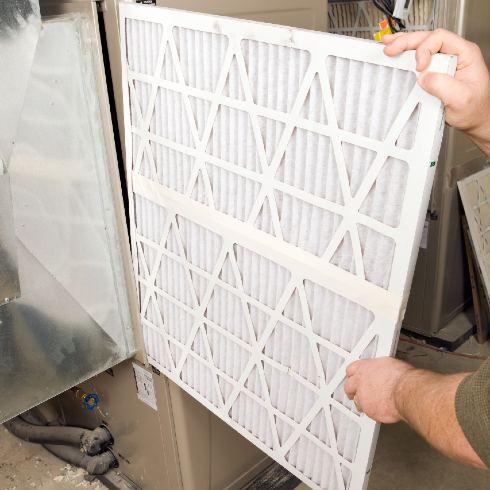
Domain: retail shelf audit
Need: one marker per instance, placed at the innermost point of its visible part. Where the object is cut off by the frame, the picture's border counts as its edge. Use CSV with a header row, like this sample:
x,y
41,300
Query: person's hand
x,y
374,383
467,95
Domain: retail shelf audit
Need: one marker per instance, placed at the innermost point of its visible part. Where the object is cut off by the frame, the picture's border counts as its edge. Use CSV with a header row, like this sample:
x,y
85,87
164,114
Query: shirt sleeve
x,y
473,410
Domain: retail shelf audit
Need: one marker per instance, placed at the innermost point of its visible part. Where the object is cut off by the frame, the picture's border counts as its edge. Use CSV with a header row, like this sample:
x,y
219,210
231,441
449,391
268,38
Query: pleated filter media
x,y
278,182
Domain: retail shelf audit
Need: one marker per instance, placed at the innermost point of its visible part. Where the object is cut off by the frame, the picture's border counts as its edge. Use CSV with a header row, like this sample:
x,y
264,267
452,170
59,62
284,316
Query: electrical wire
x,y
388,7
444,351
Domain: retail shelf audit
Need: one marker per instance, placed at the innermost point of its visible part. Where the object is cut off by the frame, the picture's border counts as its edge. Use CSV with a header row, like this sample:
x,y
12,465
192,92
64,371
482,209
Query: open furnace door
x,y
278,188
67,242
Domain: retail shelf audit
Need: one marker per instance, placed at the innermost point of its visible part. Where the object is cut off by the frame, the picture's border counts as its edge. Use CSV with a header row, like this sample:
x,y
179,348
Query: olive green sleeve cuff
x,y
472,405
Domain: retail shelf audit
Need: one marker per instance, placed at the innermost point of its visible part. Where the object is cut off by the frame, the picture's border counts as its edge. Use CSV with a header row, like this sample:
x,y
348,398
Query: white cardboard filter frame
x,y
475,195
385,304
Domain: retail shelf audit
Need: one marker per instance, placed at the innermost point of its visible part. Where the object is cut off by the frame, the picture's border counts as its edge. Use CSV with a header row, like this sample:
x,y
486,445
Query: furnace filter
x,y
278,184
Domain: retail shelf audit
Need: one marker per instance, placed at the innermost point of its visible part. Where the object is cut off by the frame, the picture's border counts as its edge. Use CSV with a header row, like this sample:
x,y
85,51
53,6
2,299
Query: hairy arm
x,y
389,390
467,94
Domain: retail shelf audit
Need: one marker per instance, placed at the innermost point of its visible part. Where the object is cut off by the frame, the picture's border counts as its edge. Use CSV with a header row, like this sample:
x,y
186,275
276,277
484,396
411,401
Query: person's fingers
x,y
427,43
442,41
399,42
388,38
445,87
351,369
350,388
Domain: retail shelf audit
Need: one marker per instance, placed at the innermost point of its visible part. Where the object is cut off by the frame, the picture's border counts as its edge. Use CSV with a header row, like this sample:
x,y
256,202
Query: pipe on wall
x,y
91,441
94,465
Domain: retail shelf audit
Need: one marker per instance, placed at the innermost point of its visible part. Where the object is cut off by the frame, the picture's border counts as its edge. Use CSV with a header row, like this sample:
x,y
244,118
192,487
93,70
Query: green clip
x,y
432,164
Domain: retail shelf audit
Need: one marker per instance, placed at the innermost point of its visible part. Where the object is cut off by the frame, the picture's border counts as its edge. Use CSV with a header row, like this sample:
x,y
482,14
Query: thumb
x,y
352,368
443,86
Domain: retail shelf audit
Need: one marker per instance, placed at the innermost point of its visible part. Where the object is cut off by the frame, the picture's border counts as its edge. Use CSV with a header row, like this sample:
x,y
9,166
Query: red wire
x,y
440,349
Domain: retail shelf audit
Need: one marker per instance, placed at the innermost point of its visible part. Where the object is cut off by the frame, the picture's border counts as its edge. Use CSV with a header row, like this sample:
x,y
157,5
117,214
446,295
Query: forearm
x,y
425,400
481,139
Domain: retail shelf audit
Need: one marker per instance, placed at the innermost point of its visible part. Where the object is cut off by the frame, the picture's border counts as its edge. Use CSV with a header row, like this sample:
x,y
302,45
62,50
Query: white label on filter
x,y
425,235
144,386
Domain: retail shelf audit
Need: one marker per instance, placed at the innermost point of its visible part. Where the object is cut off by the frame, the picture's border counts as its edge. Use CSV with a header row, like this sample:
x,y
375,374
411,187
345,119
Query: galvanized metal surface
x,y
48,343
20,23
88,9
61,195
9,276
73,320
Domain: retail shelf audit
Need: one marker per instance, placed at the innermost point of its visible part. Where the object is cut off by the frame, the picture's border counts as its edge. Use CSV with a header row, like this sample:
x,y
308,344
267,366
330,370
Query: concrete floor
x,y
403,460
